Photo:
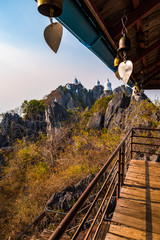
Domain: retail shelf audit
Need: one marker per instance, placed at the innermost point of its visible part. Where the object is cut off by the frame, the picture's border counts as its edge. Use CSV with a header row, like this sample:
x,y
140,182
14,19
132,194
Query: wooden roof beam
x,y
152,87
155,74
136,4
93,9
148,50
142,11
151,73
153,64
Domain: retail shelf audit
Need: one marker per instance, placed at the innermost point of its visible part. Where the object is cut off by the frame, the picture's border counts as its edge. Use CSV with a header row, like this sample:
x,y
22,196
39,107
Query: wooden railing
x,y
145,143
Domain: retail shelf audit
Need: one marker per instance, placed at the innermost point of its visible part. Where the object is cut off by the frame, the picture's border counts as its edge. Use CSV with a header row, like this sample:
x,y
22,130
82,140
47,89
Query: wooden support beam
x,y
142,11
148,50
152,87
150,74
93,9
136,4
149,79
153,64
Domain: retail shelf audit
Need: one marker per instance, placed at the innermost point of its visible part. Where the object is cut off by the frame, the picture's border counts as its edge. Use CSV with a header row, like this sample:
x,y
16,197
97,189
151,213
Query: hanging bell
x,y
50,8
124,44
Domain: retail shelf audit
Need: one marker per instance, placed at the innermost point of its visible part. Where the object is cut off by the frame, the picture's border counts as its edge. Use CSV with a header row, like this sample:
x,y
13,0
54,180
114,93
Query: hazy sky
x,y
28,67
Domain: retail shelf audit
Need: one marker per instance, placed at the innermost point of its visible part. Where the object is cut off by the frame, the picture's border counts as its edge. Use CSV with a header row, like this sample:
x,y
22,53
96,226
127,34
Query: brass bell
x,y
50,8
124,44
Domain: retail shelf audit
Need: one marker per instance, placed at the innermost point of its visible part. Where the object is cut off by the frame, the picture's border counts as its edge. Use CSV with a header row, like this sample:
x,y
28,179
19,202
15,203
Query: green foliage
x,y
84,90
65,89
33,109
144,113
70,112
101,104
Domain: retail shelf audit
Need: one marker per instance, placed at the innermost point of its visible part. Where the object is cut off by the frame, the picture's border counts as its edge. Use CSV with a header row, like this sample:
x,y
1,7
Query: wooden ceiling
x,y
143,27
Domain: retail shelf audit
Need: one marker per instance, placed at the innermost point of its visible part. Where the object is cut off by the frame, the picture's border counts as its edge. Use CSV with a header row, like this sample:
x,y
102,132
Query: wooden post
x,y
122,163
119,174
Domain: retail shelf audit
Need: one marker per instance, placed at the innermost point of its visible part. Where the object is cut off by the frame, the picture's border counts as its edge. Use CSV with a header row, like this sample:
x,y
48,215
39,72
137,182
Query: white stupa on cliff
x,y
108,86
98,83
76,81
68,86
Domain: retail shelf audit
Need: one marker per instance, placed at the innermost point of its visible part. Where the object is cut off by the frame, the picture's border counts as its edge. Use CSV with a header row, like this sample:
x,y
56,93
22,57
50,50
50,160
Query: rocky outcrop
x,y
55,114
96,121
122,111
96,92
123,89
65,199
120,101
75,96
115,112
14,127
114,116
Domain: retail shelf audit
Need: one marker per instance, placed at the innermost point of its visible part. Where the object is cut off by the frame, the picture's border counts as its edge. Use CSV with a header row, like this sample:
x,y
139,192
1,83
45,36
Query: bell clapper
x,y
124,56
51,12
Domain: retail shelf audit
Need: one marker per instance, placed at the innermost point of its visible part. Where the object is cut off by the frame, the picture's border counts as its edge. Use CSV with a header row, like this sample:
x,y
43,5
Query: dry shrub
x,y
36,170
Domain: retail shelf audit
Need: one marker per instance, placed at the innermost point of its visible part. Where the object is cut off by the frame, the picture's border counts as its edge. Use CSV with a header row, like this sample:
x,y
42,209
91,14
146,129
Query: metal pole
x,y
122,163
119,174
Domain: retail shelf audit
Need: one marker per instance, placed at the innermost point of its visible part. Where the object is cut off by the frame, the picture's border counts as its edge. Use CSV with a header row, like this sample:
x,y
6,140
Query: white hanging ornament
x,y
53,35
125,70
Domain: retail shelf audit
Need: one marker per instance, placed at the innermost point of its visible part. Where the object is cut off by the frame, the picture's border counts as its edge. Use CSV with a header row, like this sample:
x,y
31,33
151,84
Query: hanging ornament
x,y
117,75
53,32
125,68
117,61
53,35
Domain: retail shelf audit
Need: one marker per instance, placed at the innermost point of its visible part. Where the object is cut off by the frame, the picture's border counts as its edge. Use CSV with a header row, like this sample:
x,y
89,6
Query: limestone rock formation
x,y
96,120
75,95
67,197
124,89
55,114
115,110
14,127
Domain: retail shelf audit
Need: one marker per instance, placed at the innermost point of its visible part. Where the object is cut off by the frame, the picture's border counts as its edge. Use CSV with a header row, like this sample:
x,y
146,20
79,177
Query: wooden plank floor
x,y
137,214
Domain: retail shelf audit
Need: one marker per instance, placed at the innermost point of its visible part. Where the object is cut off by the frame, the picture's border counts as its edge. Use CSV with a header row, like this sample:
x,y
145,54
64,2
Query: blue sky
x,y
28,67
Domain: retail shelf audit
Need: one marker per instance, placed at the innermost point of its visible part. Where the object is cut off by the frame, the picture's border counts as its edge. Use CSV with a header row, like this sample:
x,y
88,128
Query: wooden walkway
x,y
137,214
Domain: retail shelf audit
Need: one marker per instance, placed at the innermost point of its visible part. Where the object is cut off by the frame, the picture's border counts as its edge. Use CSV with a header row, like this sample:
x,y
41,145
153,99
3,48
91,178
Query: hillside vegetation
x,y
34,171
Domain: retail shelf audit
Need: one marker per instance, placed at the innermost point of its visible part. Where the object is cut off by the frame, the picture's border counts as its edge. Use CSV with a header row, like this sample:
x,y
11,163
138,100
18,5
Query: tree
x,y
33,110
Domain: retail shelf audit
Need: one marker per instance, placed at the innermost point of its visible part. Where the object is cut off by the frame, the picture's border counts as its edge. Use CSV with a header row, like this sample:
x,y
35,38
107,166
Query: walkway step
x,y
137,214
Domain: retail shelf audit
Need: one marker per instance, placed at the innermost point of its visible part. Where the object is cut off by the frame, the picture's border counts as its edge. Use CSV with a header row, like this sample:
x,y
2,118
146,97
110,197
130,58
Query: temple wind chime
x,y
53,32
125,67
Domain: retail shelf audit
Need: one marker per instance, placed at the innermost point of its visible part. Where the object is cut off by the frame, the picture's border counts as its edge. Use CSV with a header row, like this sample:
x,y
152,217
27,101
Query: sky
x,y
29,69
